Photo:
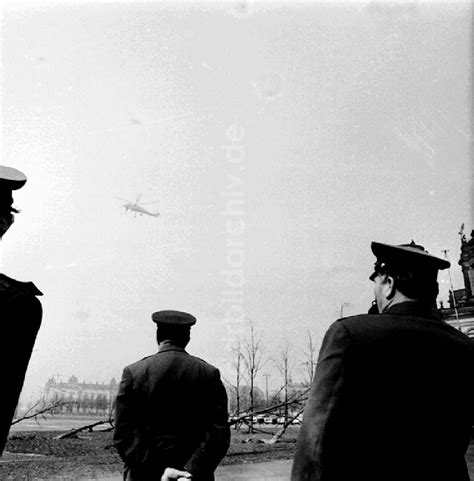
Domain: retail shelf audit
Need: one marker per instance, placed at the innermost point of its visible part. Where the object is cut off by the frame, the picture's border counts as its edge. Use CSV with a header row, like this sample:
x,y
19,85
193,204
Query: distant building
x,y
460,312
81,397
242,402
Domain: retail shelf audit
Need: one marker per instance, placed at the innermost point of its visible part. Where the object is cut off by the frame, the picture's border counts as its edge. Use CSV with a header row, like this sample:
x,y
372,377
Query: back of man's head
x,y
419,286
178,335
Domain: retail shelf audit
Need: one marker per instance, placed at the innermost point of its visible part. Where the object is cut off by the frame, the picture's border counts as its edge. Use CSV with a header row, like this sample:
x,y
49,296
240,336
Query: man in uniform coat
x,y
171,410
392,398
20,314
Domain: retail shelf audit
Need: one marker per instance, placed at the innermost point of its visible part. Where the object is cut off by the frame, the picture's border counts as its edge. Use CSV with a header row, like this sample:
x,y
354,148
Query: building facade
x,y
74,397
460,313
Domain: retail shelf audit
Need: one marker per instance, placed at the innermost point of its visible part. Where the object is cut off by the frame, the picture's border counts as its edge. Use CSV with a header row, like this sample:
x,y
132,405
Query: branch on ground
x,y
88,427
36,411
267,410
281,431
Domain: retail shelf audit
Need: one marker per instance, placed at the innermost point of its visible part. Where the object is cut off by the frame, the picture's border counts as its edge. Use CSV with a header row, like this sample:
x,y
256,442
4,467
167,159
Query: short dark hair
x,y
416,282
180,335
420,286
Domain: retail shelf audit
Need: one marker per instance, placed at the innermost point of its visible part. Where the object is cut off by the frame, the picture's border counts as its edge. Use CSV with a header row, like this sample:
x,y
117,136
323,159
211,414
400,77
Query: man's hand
x,y
171,473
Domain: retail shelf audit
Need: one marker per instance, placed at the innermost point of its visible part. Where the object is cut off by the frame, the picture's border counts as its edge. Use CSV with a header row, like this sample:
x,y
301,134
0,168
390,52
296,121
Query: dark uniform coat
x,y
392,399
171,411
20,319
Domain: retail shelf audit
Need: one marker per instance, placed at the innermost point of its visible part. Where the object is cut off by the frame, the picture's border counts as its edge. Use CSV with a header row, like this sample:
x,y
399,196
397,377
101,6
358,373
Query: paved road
x,y
272,470
268,471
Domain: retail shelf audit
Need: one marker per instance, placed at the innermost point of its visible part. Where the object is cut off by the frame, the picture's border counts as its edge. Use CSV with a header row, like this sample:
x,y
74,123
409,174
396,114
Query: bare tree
x,y
238,375
284,365
252,357
237,364
310,357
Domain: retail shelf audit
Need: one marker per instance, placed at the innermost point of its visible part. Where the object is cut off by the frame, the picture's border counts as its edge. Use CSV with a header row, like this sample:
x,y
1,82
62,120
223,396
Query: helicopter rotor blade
x,y
147,203
124,200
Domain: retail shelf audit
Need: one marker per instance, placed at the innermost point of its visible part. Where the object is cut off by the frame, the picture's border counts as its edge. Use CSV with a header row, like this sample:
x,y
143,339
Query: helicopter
x,y
136,207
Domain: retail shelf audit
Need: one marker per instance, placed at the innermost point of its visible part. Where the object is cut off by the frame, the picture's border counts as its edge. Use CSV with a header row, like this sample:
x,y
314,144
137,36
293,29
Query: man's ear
x,y
389,287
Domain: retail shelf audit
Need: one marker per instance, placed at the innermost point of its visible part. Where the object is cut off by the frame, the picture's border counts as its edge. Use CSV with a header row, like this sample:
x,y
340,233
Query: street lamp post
x,y
266,376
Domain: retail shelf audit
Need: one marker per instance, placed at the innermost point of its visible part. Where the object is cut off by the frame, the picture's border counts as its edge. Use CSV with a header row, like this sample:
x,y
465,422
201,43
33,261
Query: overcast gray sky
x,y
278,140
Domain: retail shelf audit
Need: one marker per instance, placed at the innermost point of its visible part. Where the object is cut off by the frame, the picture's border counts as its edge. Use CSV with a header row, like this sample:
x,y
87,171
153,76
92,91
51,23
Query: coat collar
x,y
169,346
413,308
10,288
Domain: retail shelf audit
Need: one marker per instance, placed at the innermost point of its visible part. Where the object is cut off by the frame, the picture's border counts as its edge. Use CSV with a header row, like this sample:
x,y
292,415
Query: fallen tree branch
x,y
72,432
282,430
47,408
268,410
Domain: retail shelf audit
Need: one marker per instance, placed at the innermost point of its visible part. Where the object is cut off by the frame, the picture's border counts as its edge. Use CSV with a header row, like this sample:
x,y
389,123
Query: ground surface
x,y
37,455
